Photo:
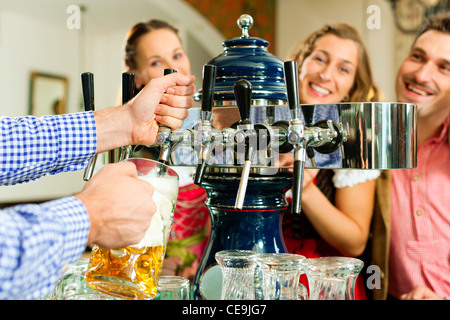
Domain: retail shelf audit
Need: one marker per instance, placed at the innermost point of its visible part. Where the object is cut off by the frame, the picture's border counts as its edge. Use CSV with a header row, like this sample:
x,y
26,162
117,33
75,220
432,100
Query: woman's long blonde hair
x,y
364,87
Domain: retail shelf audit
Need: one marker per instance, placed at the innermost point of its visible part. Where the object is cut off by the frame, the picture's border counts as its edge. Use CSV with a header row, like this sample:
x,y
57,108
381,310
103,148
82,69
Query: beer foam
x,y
167,185
165,195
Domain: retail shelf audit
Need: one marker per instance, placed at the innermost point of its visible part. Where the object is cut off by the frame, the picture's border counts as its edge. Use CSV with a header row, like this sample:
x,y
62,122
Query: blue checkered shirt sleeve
x,y
36,242
32,147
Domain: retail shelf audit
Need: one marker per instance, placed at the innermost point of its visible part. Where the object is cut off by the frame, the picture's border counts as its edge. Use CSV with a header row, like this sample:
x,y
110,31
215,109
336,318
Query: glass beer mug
x,y
281,275
332,278
133,272
238,274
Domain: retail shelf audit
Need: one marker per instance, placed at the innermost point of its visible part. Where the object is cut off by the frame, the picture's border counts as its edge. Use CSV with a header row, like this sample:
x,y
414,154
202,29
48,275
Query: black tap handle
x,y
165,73
308,113
209,83
128,86
169,71
87,84
243,95
291,80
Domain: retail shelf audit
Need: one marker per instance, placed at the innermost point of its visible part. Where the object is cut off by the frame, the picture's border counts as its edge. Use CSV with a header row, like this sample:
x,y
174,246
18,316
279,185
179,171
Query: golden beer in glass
x,y
133,272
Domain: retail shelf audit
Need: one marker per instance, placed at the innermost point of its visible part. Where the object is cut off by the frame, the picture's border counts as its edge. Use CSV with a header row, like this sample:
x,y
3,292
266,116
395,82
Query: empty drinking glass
x,y
238,274
332,278
73,287
281,275
173,288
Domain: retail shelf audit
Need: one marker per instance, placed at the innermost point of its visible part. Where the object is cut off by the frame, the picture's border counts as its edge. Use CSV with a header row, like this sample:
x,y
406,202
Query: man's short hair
x,y
439,22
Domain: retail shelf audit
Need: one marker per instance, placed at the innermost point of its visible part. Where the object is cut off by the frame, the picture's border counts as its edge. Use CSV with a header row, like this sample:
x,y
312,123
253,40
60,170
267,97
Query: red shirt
x,y
420,220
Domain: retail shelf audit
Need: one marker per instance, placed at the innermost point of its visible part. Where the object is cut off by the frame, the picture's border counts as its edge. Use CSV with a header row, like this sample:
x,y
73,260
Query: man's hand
x,y
164,100
119,205
420,293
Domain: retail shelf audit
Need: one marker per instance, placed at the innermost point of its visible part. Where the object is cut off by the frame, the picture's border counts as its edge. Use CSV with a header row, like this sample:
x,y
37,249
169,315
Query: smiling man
x,y
412,231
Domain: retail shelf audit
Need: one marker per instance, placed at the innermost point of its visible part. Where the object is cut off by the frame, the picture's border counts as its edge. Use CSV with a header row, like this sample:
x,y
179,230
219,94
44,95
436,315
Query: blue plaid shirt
x,y
37,241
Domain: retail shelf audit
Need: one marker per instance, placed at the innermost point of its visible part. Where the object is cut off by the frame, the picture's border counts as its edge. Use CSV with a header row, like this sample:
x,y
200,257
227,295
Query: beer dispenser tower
x,y
236,165
246,195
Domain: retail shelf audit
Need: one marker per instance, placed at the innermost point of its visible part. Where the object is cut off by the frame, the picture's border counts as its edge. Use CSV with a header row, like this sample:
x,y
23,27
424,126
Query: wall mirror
x,y
48,94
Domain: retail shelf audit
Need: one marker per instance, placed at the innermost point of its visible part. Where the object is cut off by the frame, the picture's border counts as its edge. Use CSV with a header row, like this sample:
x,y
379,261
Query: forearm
x,y
36,242
338,228
113,128
33,147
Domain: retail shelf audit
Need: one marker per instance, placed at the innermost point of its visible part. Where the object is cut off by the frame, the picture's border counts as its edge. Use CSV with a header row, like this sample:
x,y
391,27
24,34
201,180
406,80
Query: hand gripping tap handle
x,y
165,147
208,85
243,95
128,92
291,78
87,84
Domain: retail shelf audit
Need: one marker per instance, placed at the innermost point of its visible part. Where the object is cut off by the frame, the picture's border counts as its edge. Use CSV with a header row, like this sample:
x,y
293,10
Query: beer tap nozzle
x,y
205,135
308,114
296,133
244,135
87,84
128,92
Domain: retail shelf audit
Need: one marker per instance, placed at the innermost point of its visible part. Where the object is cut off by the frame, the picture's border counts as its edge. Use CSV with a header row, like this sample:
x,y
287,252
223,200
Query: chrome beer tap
x,y
206,135
296,133
308,113
163,138
245,136
324,136
87,84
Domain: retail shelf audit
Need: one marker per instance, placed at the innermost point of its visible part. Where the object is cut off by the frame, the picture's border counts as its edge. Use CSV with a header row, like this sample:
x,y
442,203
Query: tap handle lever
x,y
291,80
243,95
203,137
208,85
128,86
169,71
128,92
164,133
87,85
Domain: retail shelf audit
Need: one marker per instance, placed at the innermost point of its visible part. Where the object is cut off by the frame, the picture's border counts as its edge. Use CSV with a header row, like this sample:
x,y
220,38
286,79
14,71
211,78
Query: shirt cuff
x,y
349,178
78,141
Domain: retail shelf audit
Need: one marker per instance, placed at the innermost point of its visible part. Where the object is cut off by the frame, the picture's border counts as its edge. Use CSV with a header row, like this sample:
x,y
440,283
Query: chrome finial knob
x,y
245,22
